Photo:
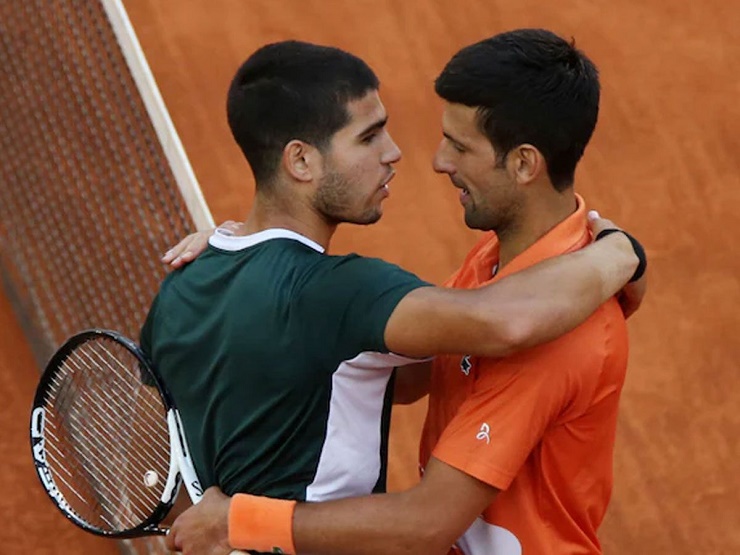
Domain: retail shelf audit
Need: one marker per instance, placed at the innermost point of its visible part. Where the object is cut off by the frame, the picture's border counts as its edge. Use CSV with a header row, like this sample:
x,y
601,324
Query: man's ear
x,y
525,163
301,161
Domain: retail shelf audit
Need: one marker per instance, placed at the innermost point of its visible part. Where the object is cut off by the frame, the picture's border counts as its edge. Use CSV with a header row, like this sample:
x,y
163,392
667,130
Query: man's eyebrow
x,y
374,126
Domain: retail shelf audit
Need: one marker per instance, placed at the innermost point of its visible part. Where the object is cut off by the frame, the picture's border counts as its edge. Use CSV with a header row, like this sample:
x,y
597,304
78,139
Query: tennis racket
x,y
107,440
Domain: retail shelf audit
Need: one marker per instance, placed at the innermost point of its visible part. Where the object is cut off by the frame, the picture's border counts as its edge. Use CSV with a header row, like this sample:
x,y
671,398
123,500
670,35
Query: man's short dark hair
x,y
292,90
529,86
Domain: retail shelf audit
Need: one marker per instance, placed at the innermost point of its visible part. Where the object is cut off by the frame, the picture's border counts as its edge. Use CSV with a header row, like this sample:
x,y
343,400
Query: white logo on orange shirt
x,y
484,433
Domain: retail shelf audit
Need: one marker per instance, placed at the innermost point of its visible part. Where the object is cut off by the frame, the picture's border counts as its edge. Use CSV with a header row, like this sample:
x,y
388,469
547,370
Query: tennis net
x,y
94,184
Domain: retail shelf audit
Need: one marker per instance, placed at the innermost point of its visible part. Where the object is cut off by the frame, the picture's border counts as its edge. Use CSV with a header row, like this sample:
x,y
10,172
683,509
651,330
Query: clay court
x,y
664,163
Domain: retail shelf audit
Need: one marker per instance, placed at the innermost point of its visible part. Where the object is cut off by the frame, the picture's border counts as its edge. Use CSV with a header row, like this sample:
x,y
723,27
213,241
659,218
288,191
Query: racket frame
x,y
181,468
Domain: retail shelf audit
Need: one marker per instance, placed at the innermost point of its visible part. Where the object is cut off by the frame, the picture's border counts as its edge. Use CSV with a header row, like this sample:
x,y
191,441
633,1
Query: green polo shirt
x,y
274,354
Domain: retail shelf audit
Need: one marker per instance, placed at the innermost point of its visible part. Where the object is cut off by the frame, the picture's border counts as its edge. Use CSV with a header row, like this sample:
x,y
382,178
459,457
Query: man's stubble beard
x,y
333,200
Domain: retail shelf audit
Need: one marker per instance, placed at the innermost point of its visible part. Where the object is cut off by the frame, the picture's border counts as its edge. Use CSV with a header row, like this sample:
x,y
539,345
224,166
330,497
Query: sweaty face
x,y
489,194
358,165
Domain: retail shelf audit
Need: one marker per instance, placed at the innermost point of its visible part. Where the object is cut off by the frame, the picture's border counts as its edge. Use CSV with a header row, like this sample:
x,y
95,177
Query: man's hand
x,y
182,504
203,529
631,296
194,244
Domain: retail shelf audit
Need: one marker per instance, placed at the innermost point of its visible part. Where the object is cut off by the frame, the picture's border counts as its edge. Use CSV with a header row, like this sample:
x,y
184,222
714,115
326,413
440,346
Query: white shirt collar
x,y
221,239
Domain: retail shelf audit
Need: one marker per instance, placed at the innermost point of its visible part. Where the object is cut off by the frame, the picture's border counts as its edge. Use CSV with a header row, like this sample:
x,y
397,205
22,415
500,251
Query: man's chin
x,y
475,223
365,219
370,219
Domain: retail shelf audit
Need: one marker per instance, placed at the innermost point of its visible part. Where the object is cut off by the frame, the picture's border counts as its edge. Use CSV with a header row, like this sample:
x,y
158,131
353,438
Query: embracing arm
x,y
410,522
517,312
520,311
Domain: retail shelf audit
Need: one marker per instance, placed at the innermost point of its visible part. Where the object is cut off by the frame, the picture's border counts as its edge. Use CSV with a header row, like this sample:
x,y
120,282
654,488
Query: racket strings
x,y
152,401
84,460
56,451
106,492
121,427
100,453
154,434
55,456
126,433
105,430
59,461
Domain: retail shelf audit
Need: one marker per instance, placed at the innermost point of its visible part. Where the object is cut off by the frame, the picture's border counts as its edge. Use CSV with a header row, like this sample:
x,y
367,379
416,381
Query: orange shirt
x,y
538,425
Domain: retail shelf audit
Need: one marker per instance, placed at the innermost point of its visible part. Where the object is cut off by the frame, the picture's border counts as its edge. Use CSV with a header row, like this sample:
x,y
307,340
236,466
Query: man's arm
x,y
426,519
522,310
420,520
412,382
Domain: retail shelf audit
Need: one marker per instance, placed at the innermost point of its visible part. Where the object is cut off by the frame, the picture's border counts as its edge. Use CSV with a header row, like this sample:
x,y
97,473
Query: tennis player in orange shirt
x,y
516,452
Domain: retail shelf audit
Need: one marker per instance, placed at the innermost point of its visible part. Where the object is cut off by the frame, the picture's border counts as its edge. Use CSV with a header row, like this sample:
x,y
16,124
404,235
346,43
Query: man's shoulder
x,y
355,266
357,260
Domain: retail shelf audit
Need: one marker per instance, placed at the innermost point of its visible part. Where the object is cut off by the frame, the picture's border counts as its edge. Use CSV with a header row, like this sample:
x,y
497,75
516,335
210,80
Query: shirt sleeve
x,y
354,297
513,403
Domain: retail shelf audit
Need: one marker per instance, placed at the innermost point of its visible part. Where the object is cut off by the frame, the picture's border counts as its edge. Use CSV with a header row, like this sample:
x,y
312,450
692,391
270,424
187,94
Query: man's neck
x,y
270,213
534,224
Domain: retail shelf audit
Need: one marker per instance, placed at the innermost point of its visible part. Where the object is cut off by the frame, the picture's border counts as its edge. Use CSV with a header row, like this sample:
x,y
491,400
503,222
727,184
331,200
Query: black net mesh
x,y
88,202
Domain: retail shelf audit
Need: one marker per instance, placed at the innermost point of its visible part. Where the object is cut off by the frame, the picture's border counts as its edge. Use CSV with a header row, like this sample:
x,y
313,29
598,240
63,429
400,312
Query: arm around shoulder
x,y
522,310
413,522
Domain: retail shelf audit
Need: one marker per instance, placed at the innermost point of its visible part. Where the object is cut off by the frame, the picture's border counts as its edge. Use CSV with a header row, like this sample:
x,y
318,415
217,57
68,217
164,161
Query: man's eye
x,y
455,145
367,139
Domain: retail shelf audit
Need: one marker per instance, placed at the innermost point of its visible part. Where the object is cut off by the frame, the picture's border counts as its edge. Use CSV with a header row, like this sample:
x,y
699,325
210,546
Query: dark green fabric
x,y
247,343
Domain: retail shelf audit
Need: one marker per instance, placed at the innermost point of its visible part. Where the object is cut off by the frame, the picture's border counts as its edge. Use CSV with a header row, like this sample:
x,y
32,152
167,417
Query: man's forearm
x,y
425,520
386,524
519,311
554,296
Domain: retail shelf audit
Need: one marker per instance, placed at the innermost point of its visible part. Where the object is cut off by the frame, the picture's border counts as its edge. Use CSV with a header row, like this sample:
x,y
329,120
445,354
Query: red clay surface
x,y
663,163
